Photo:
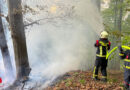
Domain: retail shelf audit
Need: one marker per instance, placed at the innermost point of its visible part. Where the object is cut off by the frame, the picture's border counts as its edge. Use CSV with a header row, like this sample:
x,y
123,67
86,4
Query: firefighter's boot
x,y
126,87
96,78
104,79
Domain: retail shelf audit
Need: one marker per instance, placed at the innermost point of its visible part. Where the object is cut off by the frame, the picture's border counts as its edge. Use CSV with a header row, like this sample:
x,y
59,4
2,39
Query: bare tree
x,y
120,17
5,51
116,40
19,40
118,9
115,14
98,3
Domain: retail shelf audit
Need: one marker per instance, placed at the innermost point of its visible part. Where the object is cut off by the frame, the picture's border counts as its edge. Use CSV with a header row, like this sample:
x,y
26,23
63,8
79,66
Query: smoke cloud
x,y
64,39
61,38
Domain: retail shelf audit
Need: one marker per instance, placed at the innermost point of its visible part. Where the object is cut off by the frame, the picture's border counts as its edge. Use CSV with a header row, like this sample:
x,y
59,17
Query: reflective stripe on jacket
x,y
103,45
126,56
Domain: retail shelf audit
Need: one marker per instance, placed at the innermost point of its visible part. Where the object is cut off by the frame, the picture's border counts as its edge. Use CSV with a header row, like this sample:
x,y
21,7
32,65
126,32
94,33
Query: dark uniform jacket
x,y
126,56
103,45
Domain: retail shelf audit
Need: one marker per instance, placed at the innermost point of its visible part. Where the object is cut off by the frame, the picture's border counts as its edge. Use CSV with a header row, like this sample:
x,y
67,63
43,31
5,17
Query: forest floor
x,y
82,80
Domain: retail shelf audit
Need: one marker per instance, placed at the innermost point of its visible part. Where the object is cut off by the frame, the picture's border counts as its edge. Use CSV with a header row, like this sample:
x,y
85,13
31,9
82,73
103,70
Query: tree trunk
x,y
97,3
117,27
115,62
5,52
116,14
18,37
120,18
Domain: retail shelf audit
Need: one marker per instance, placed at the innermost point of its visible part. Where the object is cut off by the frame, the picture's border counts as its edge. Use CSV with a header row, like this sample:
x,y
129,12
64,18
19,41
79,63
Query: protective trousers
x,y
100,62
127,78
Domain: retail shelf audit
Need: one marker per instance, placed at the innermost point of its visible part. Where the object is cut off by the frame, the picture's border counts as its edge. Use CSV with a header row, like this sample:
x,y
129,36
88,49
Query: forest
x,y
64,44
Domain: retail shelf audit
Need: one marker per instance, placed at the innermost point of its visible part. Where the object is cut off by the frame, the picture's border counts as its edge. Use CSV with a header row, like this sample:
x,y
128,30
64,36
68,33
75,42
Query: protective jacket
x,y
126,56
103,45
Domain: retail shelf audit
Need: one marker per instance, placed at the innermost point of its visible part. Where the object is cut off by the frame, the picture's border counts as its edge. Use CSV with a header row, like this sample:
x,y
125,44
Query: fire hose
x,y
123,46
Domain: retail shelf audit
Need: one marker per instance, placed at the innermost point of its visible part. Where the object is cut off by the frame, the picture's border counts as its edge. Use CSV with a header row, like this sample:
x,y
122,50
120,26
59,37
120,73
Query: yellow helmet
x,y
104,34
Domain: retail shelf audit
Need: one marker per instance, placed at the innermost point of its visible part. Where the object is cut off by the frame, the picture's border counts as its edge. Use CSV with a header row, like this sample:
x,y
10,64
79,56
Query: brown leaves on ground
x,y
81,80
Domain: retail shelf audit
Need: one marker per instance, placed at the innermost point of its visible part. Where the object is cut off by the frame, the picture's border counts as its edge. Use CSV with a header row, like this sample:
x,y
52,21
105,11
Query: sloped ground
x,y
82,80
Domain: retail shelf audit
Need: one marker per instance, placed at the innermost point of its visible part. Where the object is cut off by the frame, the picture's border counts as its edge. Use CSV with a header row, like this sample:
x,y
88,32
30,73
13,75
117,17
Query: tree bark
x,y
115,62
97,3
117,27
120,18
116,14
5,51
18,37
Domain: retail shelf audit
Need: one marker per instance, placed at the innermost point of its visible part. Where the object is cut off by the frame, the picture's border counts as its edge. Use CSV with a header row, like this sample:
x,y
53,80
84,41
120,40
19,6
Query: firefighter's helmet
x,y
104,34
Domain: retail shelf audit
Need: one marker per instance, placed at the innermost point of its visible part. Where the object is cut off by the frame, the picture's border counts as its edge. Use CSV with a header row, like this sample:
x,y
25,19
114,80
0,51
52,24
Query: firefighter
x,y
126,56
103,45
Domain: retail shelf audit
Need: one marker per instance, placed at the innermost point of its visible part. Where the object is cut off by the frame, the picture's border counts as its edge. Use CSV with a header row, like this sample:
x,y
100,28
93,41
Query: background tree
x,y
98,3
116,20
4,50
19,40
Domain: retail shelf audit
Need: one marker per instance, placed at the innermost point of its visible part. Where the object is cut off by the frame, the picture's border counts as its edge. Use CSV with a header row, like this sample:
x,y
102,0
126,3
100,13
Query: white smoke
x,y
65,38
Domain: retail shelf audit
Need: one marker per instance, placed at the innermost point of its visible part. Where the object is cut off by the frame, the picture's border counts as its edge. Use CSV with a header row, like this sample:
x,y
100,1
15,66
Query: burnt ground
x,y
82,80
